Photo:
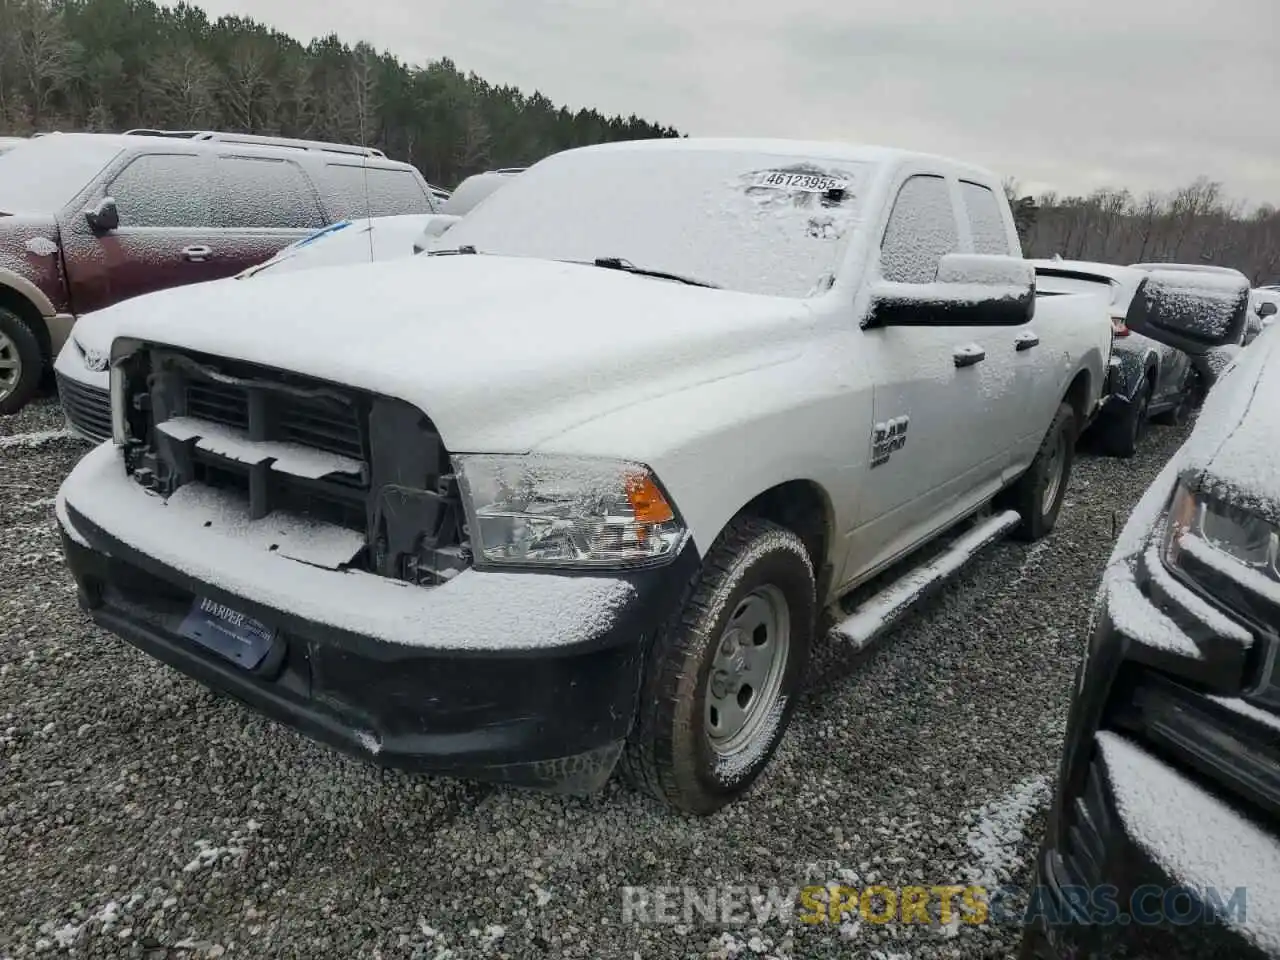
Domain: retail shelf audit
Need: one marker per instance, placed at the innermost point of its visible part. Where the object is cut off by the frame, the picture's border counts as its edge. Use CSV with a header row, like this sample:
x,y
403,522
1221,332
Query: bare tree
x,y
246,86
179,90
45,54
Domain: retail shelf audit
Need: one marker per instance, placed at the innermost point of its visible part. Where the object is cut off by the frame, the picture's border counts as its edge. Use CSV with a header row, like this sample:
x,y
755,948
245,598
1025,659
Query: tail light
x,y
1118,329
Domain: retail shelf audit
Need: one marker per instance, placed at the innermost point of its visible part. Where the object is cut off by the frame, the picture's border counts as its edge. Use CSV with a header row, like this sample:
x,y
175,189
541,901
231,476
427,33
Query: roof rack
x,y
509,170
255,140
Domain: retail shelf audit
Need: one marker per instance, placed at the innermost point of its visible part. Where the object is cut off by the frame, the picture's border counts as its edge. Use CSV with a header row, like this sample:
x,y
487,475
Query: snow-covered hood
x,y
501,353
1233,449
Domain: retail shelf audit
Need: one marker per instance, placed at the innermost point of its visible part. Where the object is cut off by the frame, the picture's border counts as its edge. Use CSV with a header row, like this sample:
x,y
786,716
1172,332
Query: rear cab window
x,y
354,191
986,222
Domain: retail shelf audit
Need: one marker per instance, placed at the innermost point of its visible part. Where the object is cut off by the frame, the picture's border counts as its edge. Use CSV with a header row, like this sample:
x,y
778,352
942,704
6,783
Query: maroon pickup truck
x,y
87,220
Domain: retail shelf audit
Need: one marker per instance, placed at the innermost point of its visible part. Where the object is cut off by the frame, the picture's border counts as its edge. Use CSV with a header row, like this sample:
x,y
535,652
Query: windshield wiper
x,y
626,266
453,252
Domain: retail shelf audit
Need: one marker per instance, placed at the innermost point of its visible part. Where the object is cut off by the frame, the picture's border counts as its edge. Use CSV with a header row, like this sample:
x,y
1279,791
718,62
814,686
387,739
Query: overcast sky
x,y
1069,95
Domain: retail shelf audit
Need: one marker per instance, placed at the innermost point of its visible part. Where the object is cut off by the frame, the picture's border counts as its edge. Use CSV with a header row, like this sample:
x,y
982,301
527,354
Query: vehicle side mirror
x,y
433,227
1267,309
970,290
103,215
1193,312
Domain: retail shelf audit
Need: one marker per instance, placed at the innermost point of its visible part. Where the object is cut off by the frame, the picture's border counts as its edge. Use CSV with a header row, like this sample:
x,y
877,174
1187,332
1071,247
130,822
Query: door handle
x,y
968,355
197,253
1025,341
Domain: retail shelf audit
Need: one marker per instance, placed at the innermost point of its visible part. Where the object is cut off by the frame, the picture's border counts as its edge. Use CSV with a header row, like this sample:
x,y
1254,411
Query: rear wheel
x,y
21,363
722,678
1121,436
1038,494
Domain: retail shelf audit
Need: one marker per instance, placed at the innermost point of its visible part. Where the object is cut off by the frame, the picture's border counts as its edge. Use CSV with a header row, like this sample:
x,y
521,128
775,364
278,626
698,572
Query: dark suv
x,y
89,219
1164,837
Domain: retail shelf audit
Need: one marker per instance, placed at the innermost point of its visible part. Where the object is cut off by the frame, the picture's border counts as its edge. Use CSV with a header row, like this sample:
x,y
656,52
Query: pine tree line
x,y
112,65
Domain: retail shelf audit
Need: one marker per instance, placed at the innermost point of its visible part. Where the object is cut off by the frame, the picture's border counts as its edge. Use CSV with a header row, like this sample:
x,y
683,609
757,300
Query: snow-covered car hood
x,y
500,352
1233,448
347,241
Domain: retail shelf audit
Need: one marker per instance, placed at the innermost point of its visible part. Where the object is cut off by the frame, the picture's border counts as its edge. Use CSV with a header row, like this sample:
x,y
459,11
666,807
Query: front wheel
x,y
723,677
1038,494
21,363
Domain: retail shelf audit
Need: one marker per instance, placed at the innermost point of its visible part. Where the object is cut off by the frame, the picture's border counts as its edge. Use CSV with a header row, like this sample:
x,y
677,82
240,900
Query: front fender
x,y
717,446
1133,368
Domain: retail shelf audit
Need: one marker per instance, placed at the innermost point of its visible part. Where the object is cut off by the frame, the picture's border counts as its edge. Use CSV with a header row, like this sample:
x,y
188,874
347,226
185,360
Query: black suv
x,y
1164,838
89,219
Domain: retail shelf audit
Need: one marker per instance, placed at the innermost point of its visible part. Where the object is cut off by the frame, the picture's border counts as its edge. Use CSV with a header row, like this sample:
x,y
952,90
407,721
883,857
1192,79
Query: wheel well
x,y
11,299
1078,395
803,507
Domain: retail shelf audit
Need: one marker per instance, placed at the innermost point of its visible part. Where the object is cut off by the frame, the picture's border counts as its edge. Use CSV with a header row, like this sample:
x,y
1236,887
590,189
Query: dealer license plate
x,y
228,632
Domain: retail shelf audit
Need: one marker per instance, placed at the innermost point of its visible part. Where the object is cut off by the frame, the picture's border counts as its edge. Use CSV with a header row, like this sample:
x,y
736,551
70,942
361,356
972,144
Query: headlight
x,y
121,349
1208,541
567,512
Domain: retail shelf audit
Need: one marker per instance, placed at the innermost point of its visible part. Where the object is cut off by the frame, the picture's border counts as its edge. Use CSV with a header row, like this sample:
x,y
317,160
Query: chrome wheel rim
x,y
10,366
1057,461
745,680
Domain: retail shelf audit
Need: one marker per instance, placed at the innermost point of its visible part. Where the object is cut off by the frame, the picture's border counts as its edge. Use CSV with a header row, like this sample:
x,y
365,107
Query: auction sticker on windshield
x,y
807,182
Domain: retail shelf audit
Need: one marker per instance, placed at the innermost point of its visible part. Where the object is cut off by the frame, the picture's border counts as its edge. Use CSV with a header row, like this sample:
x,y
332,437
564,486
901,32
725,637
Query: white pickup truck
x,y
582,482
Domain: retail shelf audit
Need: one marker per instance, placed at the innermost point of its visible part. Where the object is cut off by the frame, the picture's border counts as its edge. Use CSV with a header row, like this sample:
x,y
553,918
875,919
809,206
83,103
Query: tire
x,y
21,363
1121,436
1038,494
675,752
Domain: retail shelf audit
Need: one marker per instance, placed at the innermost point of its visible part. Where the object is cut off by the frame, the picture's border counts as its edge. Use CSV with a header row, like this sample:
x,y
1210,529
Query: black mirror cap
x,y
103,215
934,305
1193,312
1267,309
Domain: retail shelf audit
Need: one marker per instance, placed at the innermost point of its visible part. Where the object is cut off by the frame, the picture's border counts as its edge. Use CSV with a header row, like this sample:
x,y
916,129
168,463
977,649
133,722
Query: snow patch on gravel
x,y
37,438
999,830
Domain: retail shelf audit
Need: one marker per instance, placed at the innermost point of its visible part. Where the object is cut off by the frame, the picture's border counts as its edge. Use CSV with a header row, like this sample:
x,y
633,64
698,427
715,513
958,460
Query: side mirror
x,y
1193,312
103,215
1267,309
433,227
971,290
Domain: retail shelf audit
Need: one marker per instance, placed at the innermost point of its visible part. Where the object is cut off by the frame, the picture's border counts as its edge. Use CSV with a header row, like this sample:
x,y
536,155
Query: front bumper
x,y
505,689
1164,785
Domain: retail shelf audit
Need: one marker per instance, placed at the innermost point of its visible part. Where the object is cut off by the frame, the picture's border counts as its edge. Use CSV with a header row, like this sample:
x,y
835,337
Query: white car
x,y
471,191
81,366
671,400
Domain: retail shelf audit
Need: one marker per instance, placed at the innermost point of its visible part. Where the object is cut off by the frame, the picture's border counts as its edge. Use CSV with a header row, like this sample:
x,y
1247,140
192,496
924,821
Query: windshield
x,y
742,220
43,175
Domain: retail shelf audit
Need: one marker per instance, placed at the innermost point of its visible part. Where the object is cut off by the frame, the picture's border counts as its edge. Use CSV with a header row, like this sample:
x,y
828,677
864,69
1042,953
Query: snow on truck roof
x,y
800,149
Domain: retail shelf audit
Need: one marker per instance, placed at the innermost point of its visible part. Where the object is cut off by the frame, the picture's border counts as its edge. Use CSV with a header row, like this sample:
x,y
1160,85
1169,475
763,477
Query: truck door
x,y
943,396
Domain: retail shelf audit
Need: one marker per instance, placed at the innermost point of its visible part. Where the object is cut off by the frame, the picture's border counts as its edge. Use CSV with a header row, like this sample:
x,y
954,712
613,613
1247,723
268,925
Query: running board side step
x,y
884,609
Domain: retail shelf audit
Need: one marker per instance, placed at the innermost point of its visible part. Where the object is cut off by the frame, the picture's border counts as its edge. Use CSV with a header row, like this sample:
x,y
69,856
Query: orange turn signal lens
x,y
647,502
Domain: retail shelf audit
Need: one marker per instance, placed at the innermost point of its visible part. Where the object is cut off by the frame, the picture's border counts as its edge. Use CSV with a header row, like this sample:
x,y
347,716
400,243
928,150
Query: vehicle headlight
x,y
1207,538
567,512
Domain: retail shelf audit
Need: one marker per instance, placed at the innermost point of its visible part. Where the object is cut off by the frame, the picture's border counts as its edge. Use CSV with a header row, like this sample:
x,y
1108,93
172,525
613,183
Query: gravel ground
x,y
142,816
